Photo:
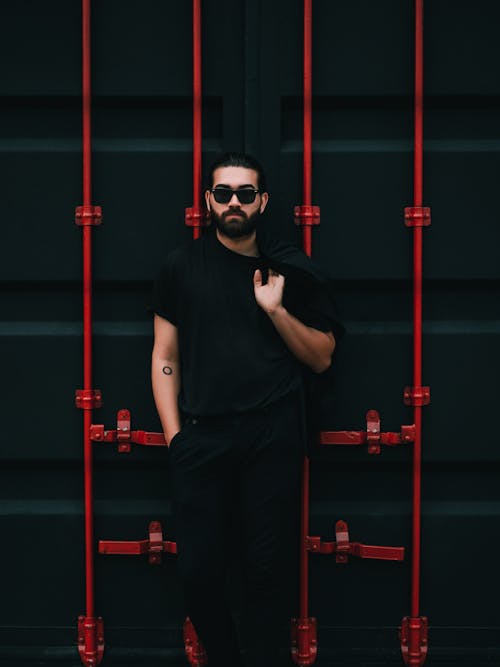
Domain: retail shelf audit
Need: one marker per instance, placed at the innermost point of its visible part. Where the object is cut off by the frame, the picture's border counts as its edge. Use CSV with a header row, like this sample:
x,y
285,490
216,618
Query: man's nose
x,y
234,199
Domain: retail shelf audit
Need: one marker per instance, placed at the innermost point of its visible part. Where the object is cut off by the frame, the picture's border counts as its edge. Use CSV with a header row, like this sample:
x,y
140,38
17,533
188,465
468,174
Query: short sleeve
x,y
164,295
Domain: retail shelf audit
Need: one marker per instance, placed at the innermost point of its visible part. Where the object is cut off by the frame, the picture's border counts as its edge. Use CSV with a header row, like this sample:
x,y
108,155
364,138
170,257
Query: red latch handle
x,y
124,435
372,436
342,438
148,439
155,546
343,547
377,553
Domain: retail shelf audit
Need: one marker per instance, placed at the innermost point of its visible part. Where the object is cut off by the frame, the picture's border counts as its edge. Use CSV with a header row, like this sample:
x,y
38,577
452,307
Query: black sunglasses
x,y
224,195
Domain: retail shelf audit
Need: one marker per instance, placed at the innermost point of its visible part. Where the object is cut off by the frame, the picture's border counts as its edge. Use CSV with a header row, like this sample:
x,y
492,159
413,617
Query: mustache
x,y
235,211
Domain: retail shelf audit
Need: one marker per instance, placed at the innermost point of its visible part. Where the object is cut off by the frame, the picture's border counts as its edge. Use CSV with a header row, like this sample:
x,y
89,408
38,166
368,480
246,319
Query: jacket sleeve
x,y
314,305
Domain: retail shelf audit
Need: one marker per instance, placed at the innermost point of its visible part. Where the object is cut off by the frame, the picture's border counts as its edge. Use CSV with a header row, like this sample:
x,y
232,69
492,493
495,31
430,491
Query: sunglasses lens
x,y
222,195
246,196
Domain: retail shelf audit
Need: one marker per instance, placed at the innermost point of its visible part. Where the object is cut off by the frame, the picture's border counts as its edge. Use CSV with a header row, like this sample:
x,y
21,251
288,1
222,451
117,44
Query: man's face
x,y
234,219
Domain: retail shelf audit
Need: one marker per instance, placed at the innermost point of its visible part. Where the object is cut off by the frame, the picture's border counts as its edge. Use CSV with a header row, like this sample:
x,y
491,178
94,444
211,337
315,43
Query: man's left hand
x,y
269,296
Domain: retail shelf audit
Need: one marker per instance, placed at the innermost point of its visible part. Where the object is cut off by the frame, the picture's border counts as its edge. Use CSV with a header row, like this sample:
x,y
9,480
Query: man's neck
x,y
245,245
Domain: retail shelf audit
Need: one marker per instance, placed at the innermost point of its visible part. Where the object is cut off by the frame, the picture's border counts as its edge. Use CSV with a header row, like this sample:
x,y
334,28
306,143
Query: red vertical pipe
x,y
87,311
417,307
306,242
418,102
196,110
304,532
307,172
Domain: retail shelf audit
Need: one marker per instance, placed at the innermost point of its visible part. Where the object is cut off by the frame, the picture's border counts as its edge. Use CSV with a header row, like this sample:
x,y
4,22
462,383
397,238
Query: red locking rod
x,y
304,531
307,246
196,111
417,307
87,309
90,629
307,172
195,216
413,631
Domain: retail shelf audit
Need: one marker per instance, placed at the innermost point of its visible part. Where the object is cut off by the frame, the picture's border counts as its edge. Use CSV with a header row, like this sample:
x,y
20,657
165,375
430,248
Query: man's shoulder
x,y
178,257
292,260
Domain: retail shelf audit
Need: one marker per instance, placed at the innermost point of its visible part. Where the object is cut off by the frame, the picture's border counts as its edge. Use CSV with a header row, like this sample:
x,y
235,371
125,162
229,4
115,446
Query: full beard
x,y
239,226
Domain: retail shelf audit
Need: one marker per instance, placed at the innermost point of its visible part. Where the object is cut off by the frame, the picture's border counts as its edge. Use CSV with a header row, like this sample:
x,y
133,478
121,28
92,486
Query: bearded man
x,y
238,317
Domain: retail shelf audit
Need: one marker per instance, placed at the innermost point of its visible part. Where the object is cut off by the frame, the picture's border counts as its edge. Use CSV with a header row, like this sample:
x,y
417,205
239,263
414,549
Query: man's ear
x,y
264,198
207,199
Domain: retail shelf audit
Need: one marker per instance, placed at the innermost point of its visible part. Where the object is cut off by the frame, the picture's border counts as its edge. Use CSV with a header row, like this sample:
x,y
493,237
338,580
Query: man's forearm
x,y
312,347
165,381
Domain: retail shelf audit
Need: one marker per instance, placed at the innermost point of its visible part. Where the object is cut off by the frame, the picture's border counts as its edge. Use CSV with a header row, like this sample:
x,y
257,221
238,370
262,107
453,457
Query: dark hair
x,y
238,160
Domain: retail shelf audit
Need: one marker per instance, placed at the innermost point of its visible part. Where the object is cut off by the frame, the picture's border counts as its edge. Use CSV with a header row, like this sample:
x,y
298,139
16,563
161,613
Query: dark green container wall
x,y
362,179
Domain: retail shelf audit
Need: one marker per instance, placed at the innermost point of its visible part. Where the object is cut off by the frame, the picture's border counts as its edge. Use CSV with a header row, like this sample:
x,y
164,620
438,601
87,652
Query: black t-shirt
x,y
232,358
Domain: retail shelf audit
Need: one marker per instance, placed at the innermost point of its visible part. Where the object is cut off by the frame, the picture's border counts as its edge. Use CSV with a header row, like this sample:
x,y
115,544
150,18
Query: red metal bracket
x,y
156,543
124,435
306,216
90,640
417,216
372,436
373,431
342,547
417,396
86,216
123,430
413,635
87,399
196,217
193,647
304,635
155,546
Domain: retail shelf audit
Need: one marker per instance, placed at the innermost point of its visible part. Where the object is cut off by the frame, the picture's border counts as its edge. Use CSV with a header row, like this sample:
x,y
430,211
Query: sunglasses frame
x,y
234,192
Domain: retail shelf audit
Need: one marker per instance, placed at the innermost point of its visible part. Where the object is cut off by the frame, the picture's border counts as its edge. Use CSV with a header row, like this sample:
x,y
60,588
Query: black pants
x,y
236,489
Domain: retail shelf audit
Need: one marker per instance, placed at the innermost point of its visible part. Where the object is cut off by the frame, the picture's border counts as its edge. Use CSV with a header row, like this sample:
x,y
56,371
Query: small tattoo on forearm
x,y
167,370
